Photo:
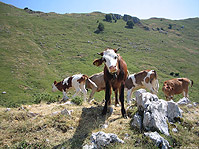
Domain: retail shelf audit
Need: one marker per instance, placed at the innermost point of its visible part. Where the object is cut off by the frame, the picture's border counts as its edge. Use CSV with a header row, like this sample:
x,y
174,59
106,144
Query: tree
x,y
130,24
100,27
108,17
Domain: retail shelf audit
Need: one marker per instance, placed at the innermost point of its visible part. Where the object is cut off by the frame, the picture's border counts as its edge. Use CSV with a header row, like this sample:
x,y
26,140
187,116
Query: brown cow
x,y
115,74
176,86
144,79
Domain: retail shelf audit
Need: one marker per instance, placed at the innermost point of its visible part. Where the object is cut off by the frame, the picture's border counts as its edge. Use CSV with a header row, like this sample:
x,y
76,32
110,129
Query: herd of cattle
x,y
115,76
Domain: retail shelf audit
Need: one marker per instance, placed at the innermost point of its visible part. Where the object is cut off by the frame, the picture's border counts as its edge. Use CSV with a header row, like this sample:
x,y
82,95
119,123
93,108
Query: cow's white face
x,y
54,88
110,59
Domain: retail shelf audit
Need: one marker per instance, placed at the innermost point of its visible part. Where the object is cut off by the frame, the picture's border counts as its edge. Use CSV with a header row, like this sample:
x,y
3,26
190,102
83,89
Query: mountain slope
x,y
38,48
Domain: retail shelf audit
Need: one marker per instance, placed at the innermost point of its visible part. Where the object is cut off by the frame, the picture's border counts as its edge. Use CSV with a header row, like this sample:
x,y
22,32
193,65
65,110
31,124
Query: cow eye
x,y
115,57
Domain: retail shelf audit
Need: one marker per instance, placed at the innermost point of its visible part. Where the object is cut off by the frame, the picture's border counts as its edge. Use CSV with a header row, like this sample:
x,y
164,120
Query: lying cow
x,y
144,79
176,86
76,81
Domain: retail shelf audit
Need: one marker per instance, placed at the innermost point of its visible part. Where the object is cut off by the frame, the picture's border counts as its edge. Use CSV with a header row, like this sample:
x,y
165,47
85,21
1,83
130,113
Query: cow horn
x,y
117,50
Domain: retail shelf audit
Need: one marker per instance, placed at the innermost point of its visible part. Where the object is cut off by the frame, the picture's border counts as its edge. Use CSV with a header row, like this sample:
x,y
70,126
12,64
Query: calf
x,y
76,81
98,79
115,74
176,86
144,79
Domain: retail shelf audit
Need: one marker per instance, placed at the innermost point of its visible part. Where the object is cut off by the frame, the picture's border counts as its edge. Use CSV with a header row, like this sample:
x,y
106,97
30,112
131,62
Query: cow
x,y
176,86
76,81
115,74
98,79
144,79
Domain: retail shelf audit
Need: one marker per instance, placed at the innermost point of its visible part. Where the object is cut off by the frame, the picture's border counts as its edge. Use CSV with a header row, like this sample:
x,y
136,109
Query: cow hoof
x,y
125,116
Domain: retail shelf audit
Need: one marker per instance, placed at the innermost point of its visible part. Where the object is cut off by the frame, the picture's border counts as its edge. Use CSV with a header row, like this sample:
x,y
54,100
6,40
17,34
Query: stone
x,y
4,92
153,113
175,130
159,141
101,139
183,101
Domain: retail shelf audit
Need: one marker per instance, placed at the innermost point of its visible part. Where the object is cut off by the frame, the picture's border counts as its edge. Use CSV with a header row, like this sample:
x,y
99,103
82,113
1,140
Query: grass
x,y
37,49
37,126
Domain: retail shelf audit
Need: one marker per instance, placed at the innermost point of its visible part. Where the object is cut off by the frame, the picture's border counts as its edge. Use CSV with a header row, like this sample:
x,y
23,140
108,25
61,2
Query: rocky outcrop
x,y
130,18
153,113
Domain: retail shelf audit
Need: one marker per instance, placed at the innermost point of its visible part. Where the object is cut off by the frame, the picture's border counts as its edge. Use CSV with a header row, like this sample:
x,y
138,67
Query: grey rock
x,y
101,139
183,101
159,141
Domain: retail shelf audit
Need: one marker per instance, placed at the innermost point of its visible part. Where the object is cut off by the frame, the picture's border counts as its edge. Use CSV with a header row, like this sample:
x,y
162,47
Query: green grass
x,y
37,49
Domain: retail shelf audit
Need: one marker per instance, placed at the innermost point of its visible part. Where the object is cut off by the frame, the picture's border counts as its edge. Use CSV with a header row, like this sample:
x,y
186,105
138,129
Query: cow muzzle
x,y
113,69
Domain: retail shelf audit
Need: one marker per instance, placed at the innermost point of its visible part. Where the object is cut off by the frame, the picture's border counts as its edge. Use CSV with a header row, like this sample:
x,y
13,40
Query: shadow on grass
x,y
90,119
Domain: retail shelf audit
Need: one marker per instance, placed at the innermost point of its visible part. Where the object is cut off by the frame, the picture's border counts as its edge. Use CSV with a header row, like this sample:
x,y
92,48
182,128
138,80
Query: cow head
x,y
54,87
109,58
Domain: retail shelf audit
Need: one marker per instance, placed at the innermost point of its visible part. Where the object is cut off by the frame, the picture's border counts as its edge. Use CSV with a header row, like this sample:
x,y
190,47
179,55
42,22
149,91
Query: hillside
x,y
38,48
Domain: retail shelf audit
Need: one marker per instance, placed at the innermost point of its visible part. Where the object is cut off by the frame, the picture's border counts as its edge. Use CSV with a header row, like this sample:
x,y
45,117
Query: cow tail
x,y
191,82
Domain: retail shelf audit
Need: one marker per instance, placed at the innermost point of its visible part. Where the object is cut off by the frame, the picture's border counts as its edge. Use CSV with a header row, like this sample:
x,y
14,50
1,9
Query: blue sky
x,y
143,9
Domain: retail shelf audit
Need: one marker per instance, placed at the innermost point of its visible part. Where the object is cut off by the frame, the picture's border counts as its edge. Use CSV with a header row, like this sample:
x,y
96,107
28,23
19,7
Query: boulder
x,y
101,139
184,101
159,141
153,113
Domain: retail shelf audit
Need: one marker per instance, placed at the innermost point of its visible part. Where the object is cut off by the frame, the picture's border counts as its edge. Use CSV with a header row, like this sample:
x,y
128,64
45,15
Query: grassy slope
x,y
36,49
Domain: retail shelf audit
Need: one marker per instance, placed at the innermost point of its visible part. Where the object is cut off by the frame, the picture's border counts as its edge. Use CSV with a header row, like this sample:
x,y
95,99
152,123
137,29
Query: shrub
x,y
43,97
108,17
100,27
77,100
130,24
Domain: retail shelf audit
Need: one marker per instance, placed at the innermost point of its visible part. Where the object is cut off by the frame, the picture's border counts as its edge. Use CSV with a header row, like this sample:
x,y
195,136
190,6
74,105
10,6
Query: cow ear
x,y
100,53
55,82
116,50
98,62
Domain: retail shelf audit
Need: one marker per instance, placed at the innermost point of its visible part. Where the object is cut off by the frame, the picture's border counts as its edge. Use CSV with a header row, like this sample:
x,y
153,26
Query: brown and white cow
x,y
176,86
115,74
98,79
76,81
144,79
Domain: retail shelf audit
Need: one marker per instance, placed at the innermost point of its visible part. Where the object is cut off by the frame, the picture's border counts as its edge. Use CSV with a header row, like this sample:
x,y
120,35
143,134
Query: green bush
x,y
43,97
130,24
108,17
77,100
100,27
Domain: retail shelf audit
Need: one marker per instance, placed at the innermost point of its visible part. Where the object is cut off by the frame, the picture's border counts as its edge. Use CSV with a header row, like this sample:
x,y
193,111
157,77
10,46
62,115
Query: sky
x,y
143,9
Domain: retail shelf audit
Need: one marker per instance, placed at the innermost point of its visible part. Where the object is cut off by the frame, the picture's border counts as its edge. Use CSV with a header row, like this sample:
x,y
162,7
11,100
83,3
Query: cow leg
x,y
116,98
129,93
77,92
83,89
122,101
107,97
94,89
65,97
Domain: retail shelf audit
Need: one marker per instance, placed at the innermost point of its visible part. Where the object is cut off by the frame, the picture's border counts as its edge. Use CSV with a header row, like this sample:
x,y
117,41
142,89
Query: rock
x,y
88,146
101,139
7,109
104,126
4,92
153,113
31,114
175,130
190,106
159,141
183,101
137,121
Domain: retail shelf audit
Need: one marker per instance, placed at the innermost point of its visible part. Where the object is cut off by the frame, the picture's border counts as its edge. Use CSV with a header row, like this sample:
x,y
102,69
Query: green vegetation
x,y
38,48
129,24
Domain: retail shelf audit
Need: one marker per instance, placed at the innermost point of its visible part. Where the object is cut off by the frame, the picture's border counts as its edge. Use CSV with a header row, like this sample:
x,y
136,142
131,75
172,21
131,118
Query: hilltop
x,y
38,48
